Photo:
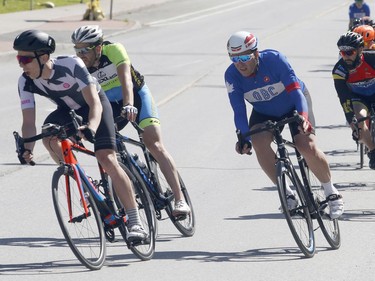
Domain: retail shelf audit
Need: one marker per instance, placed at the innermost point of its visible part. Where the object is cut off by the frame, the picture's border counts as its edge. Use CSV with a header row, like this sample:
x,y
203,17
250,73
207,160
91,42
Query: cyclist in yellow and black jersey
x,y
128,93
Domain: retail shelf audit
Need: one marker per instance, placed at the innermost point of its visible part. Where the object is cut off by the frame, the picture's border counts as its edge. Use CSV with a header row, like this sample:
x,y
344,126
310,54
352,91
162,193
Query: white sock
x,y
288,190
329,188
134,218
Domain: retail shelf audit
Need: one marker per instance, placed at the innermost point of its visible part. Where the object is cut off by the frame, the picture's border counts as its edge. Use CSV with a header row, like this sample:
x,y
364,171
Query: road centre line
x,y
204,13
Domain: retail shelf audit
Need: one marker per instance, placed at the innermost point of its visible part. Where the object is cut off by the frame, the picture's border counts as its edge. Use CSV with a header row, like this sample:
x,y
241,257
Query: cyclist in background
x,y
368,36
66,81
353,77
358,10
128,93
266,80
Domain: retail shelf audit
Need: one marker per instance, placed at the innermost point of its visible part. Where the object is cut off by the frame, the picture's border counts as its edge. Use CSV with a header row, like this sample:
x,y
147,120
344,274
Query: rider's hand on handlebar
x,y
86,133
27,155
246,147
129,112
305,126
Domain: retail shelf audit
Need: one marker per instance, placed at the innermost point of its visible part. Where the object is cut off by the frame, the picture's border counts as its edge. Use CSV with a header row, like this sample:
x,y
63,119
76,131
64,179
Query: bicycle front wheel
x,y
184,224
329,227
84,233
298,215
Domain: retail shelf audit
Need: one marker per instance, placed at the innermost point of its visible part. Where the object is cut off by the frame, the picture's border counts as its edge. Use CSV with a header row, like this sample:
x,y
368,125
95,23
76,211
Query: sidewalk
x,y
60,22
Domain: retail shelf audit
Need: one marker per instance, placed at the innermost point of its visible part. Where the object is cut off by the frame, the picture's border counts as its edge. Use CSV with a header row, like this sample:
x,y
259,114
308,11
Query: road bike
x,y
312,203
370,120
153,180
88,210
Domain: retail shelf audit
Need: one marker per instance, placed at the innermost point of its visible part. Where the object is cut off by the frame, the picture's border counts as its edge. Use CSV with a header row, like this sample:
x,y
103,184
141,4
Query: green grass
x,y
11,6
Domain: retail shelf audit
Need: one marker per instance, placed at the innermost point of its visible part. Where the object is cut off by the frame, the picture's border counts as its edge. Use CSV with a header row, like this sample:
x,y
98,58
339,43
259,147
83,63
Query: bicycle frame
x,y
73,167
79,174
146,172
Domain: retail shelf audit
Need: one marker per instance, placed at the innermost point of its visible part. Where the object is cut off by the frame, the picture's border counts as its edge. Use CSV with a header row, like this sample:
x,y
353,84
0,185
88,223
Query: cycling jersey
x,y
64,86
69,76
113,55
273,90
358,13
356,85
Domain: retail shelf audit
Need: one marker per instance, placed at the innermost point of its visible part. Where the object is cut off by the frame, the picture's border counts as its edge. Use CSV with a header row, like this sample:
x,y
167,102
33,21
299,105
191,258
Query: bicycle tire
x,y
361,155
298,219
146,249
85,236
184,224
330,228
372,129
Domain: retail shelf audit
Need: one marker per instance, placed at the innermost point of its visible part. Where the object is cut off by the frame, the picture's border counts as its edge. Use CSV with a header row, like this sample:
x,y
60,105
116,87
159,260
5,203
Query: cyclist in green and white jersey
x,y
128,93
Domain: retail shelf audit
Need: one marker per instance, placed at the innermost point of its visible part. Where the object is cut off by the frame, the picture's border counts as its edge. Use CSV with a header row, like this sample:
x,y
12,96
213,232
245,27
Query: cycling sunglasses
x,y
243,58
25,59
347,53
83,51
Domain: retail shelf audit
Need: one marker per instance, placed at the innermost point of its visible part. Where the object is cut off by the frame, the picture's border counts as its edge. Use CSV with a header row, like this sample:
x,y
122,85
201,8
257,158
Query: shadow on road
x,y
359,215
252,255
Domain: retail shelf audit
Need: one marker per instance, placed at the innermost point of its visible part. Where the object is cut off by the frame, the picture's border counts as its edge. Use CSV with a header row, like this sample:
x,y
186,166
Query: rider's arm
x,y
343,92
90,94
118,55
124,75
293,85
237,101
27,102
300,102
28,126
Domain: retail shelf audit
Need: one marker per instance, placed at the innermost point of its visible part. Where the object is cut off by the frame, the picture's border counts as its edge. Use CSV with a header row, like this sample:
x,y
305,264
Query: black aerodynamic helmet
x,y
350,40
34,41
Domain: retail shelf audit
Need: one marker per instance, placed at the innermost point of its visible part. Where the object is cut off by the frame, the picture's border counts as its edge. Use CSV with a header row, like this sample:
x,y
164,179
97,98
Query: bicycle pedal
x,y
109,235
314,215
137,242
180,217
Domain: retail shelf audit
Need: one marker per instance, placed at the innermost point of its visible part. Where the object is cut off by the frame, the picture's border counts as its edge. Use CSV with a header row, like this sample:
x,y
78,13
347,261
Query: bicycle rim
x,y
146,249
84,234
298,218
329,227
184,224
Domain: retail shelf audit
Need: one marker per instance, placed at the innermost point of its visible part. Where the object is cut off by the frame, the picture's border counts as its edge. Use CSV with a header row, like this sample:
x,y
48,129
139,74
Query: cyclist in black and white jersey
x,y
66,81
128,93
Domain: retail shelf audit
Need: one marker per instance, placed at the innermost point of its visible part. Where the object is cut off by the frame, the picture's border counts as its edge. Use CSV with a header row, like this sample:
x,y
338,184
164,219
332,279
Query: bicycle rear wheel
x,y
145,249
184,224
329,227
84,234
298,218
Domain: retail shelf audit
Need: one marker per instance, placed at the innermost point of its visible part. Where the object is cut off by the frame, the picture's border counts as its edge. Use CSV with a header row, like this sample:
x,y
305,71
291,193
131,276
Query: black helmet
x,y
34,41
350,40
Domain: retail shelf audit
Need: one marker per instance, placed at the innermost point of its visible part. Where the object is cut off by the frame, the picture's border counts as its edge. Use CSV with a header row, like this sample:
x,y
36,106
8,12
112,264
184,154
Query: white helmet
x,y
241,41
88,34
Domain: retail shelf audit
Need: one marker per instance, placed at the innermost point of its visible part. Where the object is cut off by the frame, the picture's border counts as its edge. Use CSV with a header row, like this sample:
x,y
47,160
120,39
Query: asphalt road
x,y
180,47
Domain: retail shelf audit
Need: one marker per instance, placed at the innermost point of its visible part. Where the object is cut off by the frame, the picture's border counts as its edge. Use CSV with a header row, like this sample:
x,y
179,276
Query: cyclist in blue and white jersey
x,y
66,81
128,93
266,80
358,10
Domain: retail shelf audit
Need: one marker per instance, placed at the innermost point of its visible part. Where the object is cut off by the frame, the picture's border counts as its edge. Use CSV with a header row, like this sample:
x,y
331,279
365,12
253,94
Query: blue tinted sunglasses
x,y
243,58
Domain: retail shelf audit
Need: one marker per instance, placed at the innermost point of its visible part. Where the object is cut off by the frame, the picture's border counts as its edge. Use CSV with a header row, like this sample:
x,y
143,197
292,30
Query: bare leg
x,y
152,139
122,184
265,154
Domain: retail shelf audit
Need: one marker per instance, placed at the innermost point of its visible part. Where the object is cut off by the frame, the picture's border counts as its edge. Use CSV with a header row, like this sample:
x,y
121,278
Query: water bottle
x,y
86,196
141,164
